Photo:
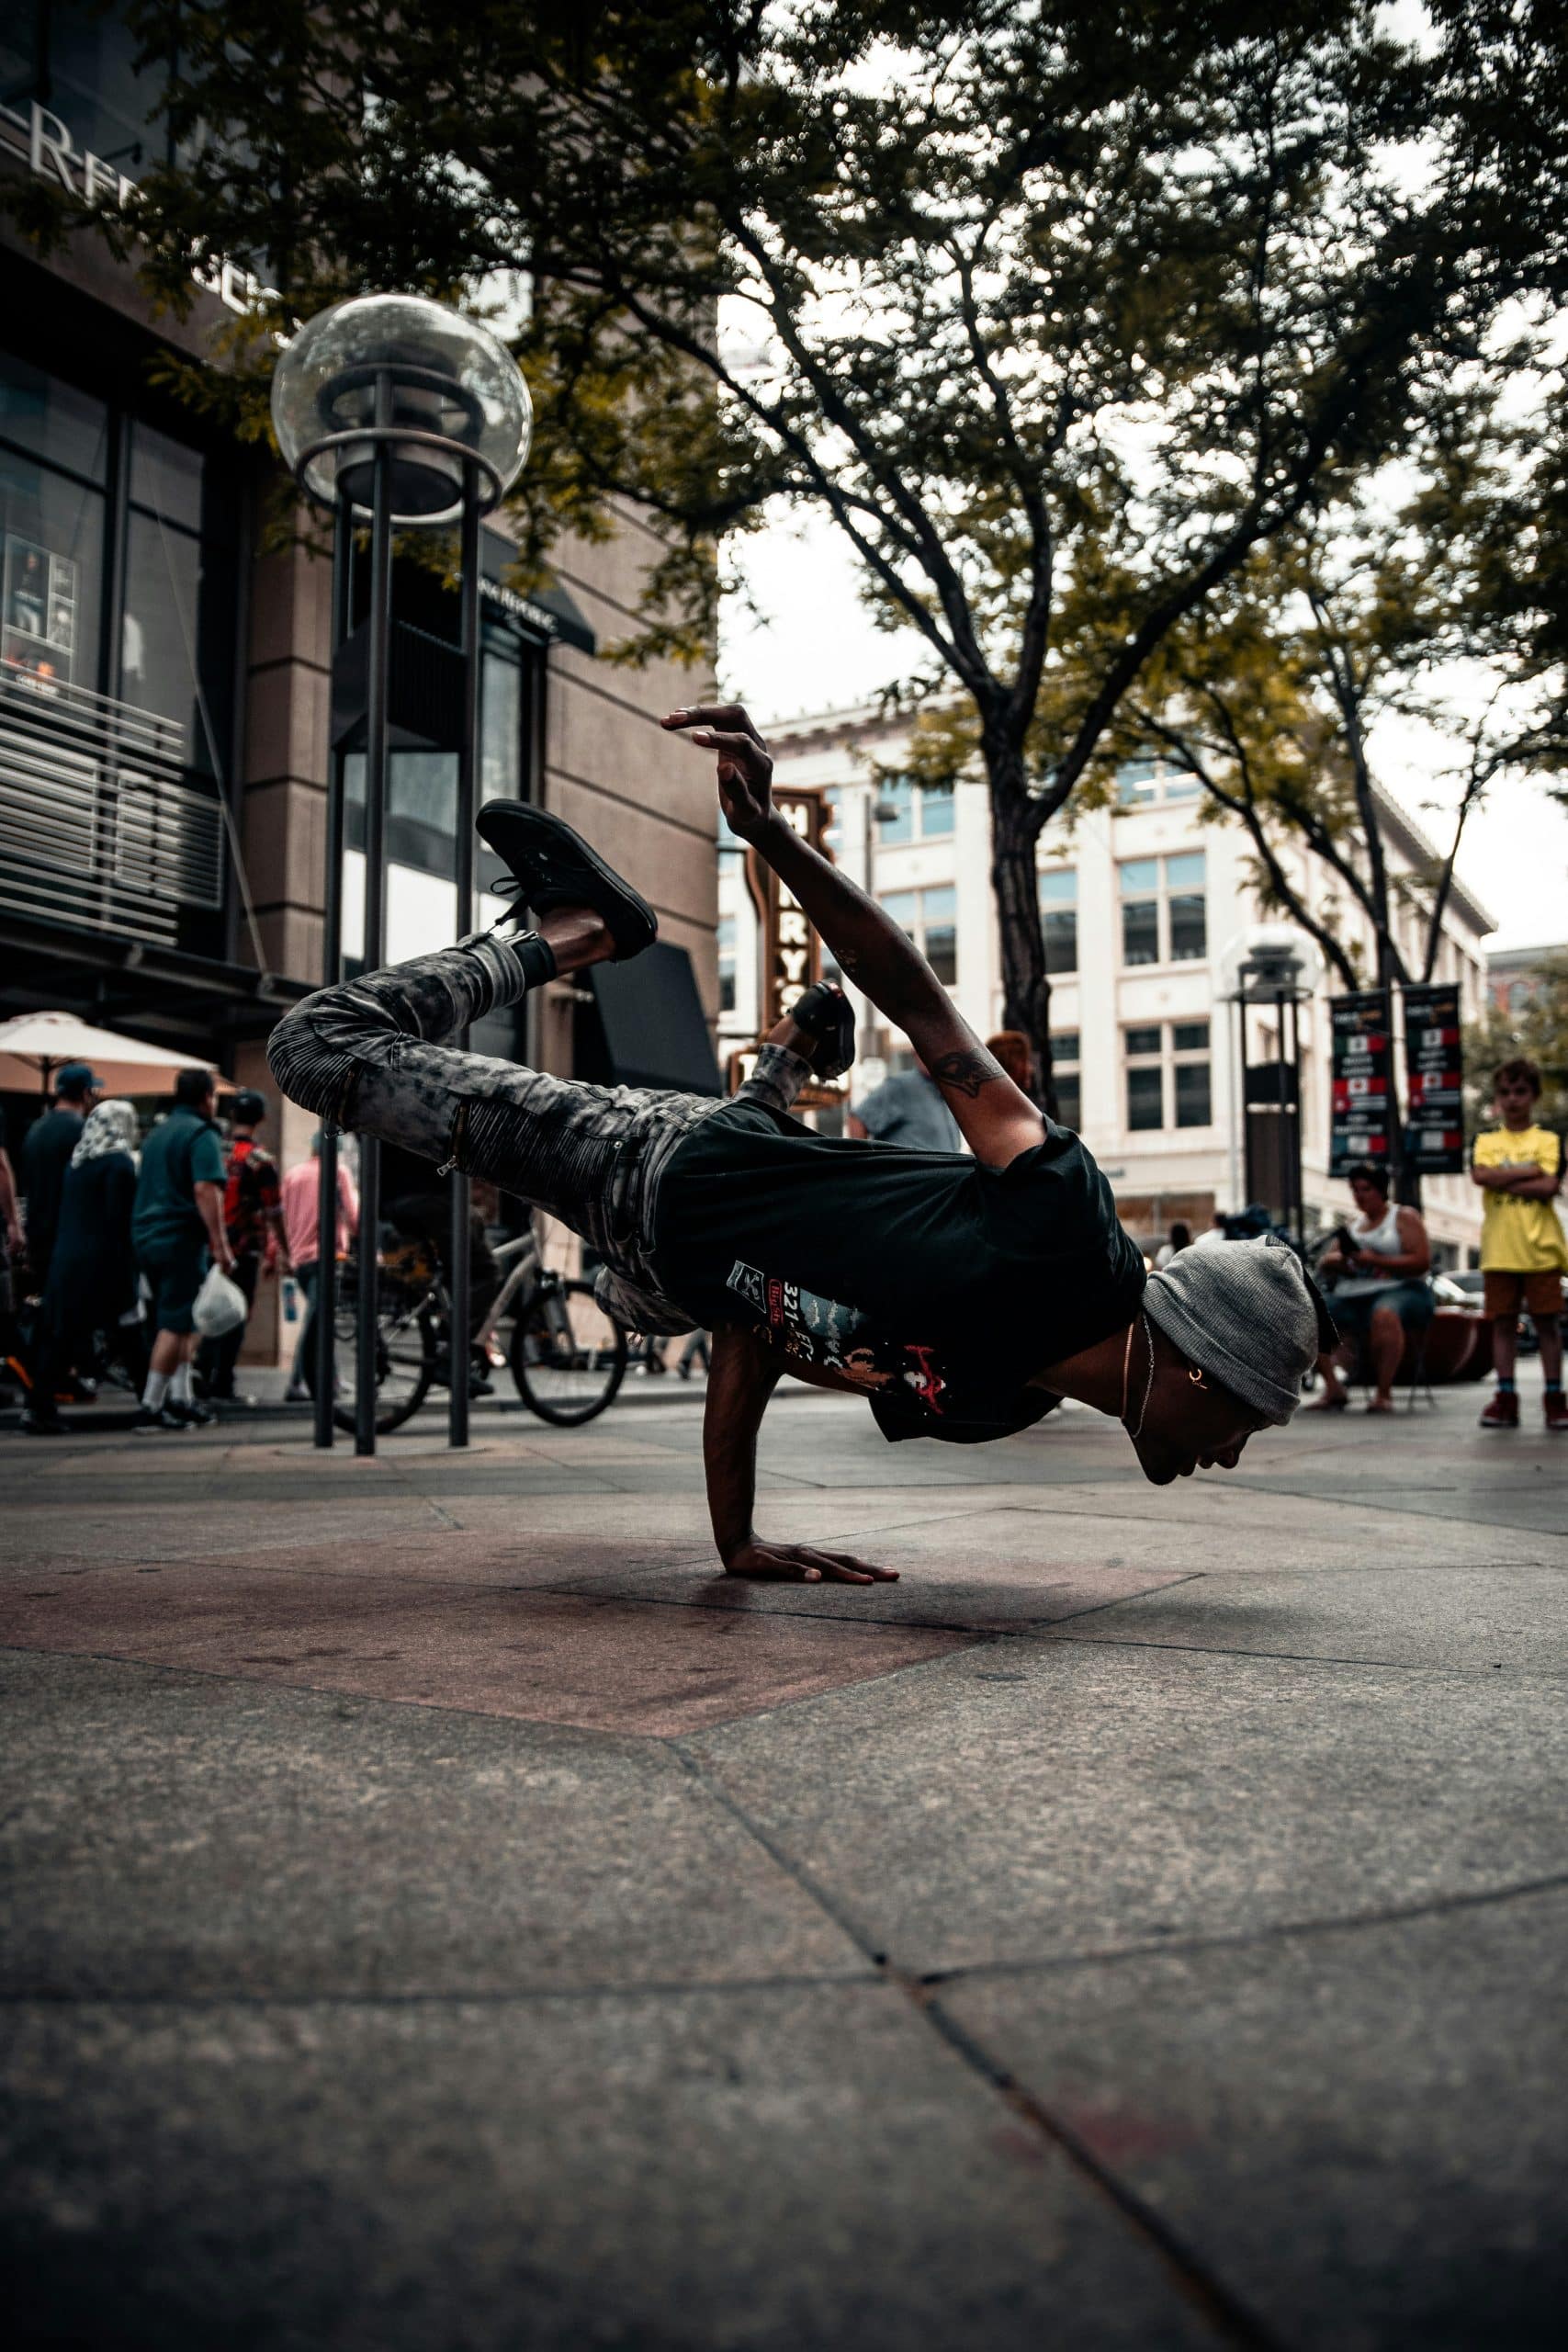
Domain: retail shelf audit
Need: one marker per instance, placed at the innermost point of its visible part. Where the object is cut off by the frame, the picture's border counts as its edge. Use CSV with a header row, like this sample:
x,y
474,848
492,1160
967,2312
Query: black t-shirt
x,y
937,1284
46,1155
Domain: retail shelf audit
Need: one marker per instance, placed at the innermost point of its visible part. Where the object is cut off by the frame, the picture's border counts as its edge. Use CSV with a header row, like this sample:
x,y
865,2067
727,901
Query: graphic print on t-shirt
x,y
840,1338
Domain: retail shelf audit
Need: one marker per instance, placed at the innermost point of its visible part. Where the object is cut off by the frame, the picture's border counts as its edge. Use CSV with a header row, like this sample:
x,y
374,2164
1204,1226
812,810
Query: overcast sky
x,y
813,648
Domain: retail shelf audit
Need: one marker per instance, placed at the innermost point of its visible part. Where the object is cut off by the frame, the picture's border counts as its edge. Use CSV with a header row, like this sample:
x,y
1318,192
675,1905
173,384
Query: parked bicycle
x,y
566,1354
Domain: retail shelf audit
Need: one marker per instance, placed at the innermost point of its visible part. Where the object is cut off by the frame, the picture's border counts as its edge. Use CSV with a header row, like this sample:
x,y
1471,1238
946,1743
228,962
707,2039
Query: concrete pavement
x,y
442,1913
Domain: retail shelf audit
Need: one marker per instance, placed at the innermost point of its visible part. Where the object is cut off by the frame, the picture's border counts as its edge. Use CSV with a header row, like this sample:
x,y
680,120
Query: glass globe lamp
x,y
438,391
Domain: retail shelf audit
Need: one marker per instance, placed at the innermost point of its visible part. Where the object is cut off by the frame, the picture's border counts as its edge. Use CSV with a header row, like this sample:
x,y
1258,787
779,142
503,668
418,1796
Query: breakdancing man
x,y
962,1296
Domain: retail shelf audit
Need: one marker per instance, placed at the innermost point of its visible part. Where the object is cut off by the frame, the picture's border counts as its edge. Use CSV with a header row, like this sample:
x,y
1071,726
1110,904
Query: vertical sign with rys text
x,y
792,953
1361,1076
1433,1068
792,950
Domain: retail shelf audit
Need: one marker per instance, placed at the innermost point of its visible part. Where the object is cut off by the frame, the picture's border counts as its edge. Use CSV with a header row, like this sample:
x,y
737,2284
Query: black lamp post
x,y
1273,964
396,412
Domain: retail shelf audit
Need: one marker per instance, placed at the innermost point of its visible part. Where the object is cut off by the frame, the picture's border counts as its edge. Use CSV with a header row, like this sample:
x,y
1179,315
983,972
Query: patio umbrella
x,y
34,1046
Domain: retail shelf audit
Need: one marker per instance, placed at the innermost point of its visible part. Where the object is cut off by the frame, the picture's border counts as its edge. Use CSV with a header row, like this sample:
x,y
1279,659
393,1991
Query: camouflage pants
x,y
367,1056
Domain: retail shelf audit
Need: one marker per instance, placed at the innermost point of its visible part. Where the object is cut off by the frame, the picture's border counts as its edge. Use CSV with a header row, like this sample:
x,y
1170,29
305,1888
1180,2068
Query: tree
x,y
1539,1027
1062,314
1412,596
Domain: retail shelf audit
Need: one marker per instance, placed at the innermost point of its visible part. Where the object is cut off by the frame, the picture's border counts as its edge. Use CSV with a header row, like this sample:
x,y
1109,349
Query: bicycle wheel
x,y
568,1356
406,1350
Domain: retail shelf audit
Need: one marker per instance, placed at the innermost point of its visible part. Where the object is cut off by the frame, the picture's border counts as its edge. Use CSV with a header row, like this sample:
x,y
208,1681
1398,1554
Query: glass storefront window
x,y
501,726
81,64
166,477
52,586
50,419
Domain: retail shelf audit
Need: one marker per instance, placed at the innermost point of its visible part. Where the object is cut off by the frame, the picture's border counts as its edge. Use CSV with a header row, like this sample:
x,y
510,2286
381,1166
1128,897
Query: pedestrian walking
x,y
1379,1267
1519,1167
177,1228
1178,1238
91,1283
46,1155
697,1347
253,1219
300,1199
12,1246
963,1295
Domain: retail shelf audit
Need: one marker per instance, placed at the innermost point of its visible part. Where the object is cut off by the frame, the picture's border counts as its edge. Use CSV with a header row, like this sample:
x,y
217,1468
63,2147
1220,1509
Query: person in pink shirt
x,y
302,1234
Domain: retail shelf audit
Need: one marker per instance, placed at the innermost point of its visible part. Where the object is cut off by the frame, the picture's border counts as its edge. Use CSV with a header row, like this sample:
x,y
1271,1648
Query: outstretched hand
x,y
745,768
802,1564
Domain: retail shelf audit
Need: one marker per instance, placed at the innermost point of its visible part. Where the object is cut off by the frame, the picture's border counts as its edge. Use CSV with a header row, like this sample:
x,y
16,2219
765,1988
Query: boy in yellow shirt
x,y
1518,1166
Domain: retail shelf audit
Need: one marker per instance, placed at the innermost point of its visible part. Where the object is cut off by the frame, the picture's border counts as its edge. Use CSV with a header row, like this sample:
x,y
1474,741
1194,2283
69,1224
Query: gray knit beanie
x,y
1246,1312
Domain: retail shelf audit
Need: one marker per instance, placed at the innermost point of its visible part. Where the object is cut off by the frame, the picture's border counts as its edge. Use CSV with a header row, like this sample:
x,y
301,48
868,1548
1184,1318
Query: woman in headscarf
x,y
92,1274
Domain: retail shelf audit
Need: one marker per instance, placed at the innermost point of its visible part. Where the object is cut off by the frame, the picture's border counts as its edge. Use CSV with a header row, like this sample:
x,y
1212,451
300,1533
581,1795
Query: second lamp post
x,y
401,415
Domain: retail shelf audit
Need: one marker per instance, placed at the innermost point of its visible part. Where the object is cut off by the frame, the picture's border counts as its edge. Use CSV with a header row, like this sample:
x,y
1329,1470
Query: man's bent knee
x,y
312,1070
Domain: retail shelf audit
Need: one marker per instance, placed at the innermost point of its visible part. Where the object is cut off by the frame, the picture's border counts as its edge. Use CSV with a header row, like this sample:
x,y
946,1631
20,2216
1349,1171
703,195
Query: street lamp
x,y
1271,963
393,411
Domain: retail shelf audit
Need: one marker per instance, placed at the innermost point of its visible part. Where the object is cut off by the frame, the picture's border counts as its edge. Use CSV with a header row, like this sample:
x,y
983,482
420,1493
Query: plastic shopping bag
x,y
220,1304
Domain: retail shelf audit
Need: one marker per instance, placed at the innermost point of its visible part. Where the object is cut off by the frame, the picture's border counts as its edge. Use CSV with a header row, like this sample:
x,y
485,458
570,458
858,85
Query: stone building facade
x,y
166,673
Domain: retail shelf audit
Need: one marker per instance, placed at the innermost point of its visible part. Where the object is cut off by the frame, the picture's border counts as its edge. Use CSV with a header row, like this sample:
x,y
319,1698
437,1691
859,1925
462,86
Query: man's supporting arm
x,y
996,1118
742,1376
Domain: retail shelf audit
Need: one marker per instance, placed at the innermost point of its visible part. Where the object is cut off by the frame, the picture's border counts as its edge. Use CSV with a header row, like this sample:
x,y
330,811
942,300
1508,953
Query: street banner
x,y
1360,1076
1434,1069
792,950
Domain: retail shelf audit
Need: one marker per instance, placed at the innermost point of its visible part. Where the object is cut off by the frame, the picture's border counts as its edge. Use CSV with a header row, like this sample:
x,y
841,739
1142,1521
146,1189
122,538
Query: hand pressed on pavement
x,y
802,1564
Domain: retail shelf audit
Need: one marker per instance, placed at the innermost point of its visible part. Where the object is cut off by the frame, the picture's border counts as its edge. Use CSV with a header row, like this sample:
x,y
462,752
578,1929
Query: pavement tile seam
x,y
49,1996
1277,1931
1214,2301
1194,2277
1447,1670
590,1733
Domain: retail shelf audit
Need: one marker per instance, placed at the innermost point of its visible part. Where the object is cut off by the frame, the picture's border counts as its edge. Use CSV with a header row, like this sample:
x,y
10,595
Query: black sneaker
x,y
157,1416
553,866
194,1416
826,1013
36,1424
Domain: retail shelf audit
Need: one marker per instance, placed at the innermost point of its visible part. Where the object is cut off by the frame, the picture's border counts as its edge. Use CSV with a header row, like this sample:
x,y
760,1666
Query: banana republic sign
x,y
52,155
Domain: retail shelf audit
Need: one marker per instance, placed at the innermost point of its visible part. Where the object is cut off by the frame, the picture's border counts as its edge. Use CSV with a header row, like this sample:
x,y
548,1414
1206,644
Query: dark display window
x,y
120,558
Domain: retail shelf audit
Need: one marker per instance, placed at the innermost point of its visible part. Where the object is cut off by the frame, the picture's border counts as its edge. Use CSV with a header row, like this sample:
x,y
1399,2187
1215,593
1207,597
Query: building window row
x,y
1140,783
1165,915
1065,1069
919,813
1164,909
930,918
1168,1075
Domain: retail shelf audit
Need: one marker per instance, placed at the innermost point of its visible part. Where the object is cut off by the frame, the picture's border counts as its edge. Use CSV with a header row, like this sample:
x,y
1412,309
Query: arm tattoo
x,y
967,1071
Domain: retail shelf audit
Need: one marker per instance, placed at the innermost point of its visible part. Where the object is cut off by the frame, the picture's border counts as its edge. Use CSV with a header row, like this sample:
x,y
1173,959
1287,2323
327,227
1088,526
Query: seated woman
x,y
1381,1291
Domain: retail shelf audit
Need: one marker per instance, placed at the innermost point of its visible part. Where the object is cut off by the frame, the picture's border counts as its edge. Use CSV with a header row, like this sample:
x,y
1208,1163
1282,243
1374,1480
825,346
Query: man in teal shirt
x,y
178,1221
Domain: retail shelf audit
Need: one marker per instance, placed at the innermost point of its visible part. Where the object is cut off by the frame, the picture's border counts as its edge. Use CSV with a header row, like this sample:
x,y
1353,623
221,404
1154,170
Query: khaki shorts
x,y
1506,1292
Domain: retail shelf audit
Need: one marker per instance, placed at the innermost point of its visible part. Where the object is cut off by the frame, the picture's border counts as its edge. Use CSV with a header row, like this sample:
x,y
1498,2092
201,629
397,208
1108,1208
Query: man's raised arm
x,y
996,1118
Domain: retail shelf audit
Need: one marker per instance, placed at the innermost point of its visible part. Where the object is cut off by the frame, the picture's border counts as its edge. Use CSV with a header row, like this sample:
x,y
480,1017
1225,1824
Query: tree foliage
x,y
1408,597
1064,315
1539,1027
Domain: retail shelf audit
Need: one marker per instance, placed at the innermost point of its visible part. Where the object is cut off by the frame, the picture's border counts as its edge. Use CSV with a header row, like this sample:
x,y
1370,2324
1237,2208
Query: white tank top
x,y
1381,1238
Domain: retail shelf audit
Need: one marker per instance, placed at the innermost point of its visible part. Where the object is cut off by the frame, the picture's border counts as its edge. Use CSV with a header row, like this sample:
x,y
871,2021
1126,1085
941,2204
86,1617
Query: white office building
x,y
1139,904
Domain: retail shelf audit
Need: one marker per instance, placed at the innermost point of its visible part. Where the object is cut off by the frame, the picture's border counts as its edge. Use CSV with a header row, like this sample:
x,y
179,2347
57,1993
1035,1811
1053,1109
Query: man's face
x,y
1516,1100
1198,1429
1369,1201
